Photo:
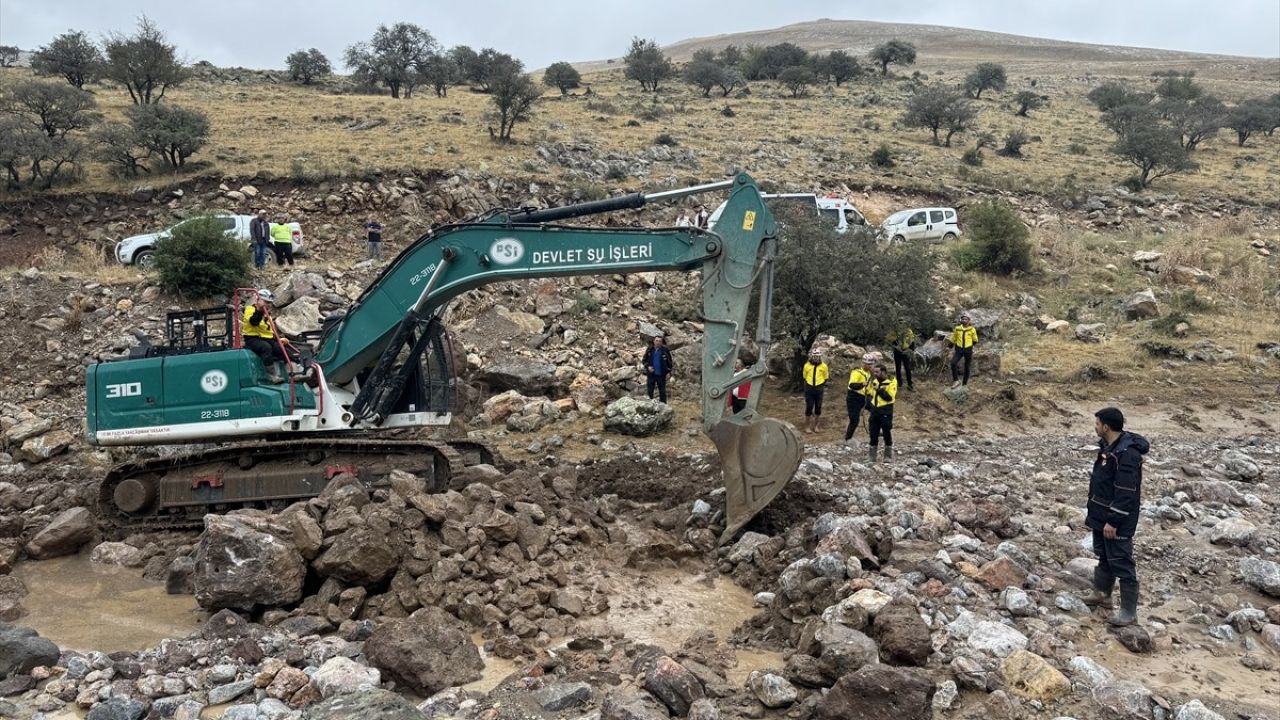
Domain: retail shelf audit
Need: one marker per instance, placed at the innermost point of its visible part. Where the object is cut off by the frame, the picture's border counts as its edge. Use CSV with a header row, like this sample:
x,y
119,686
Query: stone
x,y
632,706
1136,639
876,692
181,578
638,417
1017,602
1271,636
223,694
588,393
342,676
703,709
42,447
562,696
12,593
64,535
299,316
240,564
375,704
1233,531
1141,305
995,639
299,285
427,652
902,636
1028,675
359,556
1089,672
1195,710
287,681
527,377
1001,573
844,650
946,695
22,649
503,405
1122,700
674,685
773,691
1236,465
25,430
1261,574
1091,332
16,685
116,553
118,708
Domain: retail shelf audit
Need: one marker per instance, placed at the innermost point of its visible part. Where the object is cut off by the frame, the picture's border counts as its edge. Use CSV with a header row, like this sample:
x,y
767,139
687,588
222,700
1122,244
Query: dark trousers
x,y
880,422
813,401
1115,557
738,404
902,363
268,350
658,381
853,402
284,251
965,354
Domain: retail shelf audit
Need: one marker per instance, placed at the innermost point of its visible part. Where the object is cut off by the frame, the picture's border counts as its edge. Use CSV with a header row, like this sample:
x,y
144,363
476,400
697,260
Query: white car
x,y
930,224
836,209
140,249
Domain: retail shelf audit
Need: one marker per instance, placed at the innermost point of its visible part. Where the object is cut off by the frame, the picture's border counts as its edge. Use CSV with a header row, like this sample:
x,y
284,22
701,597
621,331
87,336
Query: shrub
x,y
585,304
1013,143
307,66
616,173
998,240
200,260
972,156
1076,148
631,123
666,139
727,111
882,156
1167,323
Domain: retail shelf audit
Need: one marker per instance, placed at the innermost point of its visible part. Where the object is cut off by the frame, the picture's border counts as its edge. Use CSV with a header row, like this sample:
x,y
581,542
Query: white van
x,y
931,224
837,209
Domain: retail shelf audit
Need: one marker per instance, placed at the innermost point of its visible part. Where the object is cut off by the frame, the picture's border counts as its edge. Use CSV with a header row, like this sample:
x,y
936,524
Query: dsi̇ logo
x,y
120,390
506,251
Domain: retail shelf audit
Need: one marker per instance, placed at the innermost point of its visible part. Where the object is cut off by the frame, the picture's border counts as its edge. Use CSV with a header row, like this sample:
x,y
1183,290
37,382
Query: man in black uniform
x,y
1115,495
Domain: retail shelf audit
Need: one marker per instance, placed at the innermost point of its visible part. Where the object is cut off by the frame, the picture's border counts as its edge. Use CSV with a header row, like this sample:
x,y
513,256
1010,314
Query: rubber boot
x,y
871,454
273,374
888,453
1100,594
1128,613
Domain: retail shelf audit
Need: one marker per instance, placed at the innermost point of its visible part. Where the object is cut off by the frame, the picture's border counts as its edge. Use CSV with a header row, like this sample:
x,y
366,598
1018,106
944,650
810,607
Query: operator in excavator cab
x,y
260,337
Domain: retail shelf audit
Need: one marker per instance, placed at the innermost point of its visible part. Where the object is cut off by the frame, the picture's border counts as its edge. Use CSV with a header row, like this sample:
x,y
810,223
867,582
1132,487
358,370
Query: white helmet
x,y
267,295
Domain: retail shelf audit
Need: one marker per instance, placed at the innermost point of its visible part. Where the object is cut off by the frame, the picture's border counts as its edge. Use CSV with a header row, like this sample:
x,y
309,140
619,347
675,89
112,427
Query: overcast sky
x,y
260,33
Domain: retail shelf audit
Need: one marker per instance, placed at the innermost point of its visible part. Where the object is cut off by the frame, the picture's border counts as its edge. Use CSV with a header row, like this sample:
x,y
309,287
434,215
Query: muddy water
x,y
81,605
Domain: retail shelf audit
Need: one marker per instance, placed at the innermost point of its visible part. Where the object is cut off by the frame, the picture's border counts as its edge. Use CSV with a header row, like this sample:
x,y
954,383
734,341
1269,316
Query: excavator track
x,y
176,492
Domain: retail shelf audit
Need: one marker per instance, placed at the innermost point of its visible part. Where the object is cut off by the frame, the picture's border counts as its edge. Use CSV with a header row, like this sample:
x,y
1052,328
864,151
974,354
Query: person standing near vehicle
x,y
884,390
260,234
814,373
739,394
963,338
702,219
374,230
1115,497
283,237
684,220
856,398
657,368
903,342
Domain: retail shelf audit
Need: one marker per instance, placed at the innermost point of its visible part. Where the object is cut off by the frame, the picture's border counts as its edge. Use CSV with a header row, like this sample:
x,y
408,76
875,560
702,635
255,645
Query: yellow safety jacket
x,y
815,375
902,339
964,336
858,381
883,392
262,329
281,233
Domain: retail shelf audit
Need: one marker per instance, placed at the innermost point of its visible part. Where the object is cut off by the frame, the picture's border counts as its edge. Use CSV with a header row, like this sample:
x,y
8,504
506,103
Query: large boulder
x,y
987,322
902,635
633,416
12,591
427,652
674,685
588,393
1030,676
299,285
22,649
374,704
241,562
1261,574
876,692
1141,305
359,556
528,377
300,316
64,535
42,447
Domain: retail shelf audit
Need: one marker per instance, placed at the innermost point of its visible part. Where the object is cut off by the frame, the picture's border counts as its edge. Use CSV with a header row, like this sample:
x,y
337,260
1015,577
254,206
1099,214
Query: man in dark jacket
x,y
657,368
260,233
1115,496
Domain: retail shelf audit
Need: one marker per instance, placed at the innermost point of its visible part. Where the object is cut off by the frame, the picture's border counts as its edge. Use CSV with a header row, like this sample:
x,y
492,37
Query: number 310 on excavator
x,y
386,364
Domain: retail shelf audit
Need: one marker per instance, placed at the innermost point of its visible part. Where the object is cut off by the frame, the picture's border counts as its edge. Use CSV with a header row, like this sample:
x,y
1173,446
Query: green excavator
x,y
386,364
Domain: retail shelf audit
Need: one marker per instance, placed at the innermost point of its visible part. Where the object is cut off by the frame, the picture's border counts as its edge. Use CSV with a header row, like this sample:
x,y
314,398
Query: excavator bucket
x,y
758,456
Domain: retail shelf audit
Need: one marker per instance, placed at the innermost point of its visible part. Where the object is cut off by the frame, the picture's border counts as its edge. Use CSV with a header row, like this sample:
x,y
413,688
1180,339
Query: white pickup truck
x,y
140,249
839,211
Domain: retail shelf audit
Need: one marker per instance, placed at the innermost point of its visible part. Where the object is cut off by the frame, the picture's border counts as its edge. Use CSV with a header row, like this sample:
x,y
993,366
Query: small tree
x,y
730,56
1154,148
117,145
939,108
440,72
171,132
1179,86
842,66
1195,120
392,57
46,159
146,64
1013,143
468,62
199,260
732,78
998,240
491,65
9,55
894,52
797,79
53,109
1111,95
513,97
1249,117
562,76
1028,101
767,63
307,66
987,76
704,72
646,64
71,56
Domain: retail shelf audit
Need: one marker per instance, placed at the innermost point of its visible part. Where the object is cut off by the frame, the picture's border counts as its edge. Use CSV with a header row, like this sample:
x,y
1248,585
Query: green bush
x,y
1076,148
666,139
972,156
1166,324
882,156
200,260
998,240
585,304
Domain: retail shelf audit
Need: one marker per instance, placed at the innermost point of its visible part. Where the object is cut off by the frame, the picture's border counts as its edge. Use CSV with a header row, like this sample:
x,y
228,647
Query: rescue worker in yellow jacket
x,y
259,337
814,374
856,399
903,342
963,338
282,236
880,399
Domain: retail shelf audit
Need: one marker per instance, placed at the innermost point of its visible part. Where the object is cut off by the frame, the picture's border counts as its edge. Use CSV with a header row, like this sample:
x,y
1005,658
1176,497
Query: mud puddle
x,y
84,606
